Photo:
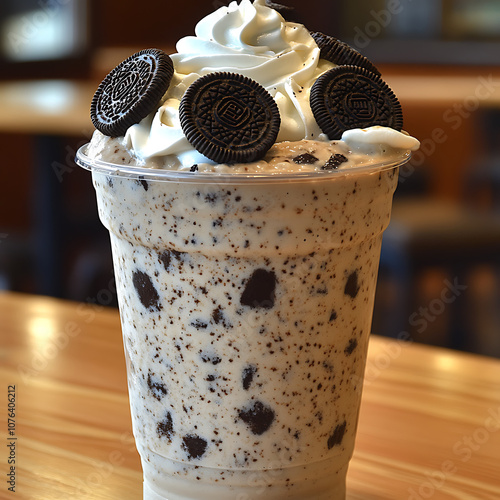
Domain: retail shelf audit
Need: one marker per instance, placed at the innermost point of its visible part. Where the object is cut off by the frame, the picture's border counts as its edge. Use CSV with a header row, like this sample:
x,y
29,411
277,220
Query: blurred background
x,y
440,267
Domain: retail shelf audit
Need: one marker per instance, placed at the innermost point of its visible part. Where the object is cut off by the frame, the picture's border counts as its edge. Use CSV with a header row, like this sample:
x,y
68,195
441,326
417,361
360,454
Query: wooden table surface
x,y
429,424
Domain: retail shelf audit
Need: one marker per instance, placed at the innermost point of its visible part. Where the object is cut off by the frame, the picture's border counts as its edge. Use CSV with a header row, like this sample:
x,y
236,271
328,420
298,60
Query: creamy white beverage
x,y
246,309
246,289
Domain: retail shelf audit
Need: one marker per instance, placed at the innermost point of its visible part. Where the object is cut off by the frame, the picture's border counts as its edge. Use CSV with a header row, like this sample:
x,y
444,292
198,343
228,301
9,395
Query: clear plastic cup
x,y
246,305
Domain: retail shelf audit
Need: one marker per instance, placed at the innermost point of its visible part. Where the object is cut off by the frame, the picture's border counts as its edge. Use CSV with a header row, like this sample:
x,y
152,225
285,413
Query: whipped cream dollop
x,y
254,40
381,140
247,38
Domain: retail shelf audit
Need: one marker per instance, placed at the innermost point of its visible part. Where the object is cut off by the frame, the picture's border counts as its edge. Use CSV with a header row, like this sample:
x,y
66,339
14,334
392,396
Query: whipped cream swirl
x,y
247,38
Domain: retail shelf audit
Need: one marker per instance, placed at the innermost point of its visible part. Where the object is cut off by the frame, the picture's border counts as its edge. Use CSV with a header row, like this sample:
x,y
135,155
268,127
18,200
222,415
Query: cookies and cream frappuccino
x,y
246,182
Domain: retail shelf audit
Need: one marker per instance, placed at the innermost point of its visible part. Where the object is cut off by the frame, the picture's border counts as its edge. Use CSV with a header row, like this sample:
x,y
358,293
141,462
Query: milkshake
x,y
246,272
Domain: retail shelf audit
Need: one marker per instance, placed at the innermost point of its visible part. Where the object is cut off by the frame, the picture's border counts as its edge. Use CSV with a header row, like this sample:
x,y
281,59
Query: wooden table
x,y
429,424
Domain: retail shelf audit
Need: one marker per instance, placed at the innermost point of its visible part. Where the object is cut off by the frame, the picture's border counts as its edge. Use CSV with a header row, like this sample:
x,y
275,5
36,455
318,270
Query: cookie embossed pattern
x,y
229,118
246,236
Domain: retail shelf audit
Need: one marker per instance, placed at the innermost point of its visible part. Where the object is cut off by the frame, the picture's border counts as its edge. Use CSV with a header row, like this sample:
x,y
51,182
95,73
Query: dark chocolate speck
x,y
337,436
305,159
144,183
352,285
207,358
199,324
353,343
146,290
248,375
219,318
167,257
259,290
166,427
334,162
258,417
195,446
158,389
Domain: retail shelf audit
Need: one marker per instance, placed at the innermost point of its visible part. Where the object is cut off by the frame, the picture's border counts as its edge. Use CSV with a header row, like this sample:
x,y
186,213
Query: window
x,y
42,34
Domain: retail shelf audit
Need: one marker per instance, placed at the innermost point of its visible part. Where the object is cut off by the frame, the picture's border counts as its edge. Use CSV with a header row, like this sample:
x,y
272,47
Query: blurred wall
x,y
163,22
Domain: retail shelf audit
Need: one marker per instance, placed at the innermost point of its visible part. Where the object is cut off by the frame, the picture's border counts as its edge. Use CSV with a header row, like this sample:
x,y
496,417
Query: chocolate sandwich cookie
x,y
131,91
348,97
229,118
341,53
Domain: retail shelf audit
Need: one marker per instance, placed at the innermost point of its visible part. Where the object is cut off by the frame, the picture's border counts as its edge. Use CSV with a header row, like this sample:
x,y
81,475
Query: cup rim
x,y
164,175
